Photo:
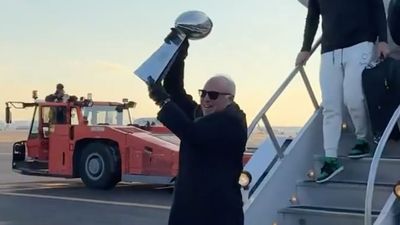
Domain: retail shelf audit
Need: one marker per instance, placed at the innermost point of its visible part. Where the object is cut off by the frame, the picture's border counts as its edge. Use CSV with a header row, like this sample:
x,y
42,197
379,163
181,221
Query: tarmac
x,y
31,200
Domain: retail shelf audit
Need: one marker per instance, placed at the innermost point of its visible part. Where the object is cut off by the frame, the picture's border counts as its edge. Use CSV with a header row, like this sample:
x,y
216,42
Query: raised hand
x,y
157,92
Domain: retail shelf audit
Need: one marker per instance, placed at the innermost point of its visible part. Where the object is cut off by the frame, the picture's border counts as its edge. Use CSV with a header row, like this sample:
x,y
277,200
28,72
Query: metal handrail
x,y
261,115
374,166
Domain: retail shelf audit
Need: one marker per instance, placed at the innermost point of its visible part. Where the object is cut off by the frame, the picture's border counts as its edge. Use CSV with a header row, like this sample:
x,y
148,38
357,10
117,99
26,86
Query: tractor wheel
x,y
99,167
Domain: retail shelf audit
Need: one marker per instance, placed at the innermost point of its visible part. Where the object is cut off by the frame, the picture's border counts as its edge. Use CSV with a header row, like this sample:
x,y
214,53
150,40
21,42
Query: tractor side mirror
x,y
8,115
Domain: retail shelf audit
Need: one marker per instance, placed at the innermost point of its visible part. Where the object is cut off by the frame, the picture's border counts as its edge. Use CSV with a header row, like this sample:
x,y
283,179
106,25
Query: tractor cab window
x,y
53,115
45,121
105,115
74,117
34,131
46,115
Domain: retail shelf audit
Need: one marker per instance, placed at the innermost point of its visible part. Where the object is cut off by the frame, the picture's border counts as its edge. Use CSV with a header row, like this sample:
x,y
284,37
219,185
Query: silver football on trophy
x,y
195,24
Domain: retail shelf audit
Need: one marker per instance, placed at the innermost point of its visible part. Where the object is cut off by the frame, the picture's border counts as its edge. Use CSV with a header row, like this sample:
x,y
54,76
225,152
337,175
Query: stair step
x,y
357,170
341,194
348,140
310,215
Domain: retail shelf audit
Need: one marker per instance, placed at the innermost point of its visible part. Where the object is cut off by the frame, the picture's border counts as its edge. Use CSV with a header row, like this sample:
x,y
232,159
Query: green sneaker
x,y
330,168
360,150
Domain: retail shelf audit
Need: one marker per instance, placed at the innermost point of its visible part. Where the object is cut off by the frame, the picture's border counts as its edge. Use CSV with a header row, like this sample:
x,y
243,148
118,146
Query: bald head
x,y
223,83
220,91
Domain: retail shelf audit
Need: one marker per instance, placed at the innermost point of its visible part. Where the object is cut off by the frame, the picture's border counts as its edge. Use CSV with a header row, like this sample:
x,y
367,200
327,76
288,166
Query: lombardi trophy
x,y
189,25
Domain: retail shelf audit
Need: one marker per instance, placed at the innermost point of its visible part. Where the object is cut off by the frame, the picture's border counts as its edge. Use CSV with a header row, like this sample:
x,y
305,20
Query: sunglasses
x,y
211,94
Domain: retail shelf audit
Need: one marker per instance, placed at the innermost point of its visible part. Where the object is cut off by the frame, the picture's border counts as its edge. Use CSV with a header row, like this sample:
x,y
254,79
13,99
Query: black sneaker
x,y
360,150
330,168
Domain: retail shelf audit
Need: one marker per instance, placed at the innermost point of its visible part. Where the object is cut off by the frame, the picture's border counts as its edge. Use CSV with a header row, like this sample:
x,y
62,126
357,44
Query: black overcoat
x,y
210,158
394,20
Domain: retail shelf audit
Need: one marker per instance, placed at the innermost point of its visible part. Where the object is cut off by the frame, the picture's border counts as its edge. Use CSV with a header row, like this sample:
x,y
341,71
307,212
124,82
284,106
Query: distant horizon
x,y
2,122
23,126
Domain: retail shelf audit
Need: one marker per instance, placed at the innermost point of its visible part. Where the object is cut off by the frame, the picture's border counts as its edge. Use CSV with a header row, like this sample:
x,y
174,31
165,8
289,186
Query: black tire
x,y
99,166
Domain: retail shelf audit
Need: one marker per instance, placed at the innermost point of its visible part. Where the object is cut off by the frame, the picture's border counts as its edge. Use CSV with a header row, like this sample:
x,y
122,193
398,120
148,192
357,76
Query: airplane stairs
x,y
283,191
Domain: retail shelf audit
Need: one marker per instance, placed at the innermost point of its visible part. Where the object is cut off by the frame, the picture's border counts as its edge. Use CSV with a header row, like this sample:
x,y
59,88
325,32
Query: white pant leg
x,y
331,83
355,58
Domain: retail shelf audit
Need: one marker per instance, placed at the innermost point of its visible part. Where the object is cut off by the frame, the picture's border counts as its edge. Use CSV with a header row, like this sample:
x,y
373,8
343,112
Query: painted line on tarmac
x,y
42,182
11,187
151,206
7,188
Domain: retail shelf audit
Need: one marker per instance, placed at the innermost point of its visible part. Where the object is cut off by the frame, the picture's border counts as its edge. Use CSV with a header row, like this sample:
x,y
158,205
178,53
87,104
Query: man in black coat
x,y
394,20
213,138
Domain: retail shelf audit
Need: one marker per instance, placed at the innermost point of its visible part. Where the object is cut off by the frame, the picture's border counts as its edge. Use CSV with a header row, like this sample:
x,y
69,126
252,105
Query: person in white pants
x,y
350,28
340,80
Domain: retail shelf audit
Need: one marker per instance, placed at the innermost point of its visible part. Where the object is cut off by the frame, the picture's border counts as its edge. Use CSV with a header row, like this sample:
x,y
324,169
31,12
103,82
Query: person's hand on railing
x,y
382,49
302,57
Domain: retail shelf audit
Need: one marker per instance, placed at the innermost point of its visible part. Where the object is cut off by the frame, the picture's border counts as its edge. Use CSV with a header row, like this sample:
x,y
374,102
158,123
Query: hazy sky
x,y
94,45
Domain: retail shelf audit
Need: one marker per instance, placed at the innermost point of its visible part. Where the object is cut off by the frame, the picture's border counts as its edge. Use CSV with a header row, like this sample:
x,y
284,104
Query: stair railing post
x,y
375,164
271,134
309,88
